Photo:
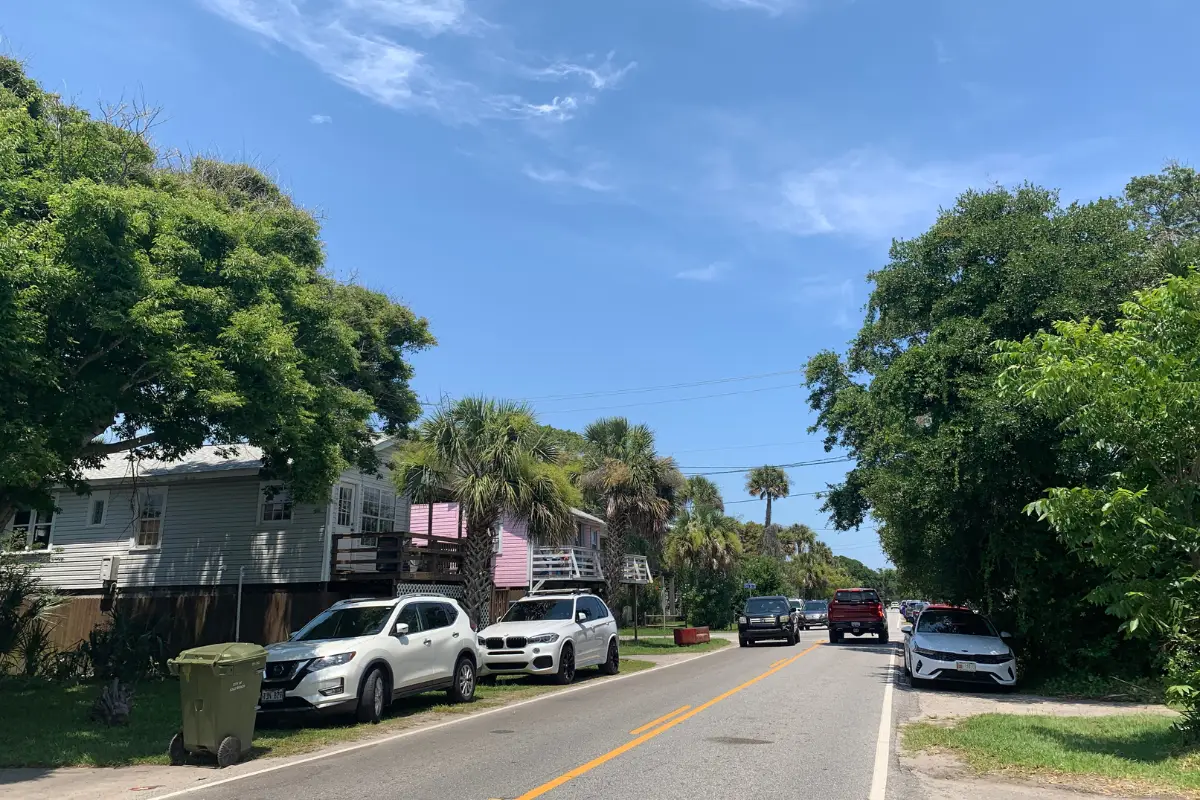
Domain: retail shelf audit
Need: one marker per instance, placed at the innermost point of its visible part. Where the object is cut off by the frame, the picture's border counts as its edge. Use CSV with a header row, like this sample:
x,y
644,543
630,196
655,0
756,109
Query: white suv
x,y
359,655
551,634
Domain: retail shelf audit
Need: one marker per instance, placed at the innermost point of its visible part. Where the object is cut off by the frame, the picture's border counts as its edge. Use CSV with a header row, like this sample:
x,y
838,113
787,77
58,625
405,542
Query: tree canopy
x,y
166,306
944,463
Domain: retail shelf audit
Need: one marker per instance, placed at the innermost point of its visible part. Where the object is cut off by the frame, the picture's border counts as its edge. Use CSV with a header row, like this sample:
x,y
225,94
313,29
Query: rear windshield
x,y
856,596
816,605
795,604
538,610
345,623
963,623
767,605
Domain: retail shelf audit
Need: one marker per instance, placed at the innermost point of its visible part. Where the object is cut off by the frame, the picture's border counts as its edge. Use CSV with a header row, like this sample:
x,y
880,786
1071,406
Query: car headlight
x,y
543,638
783,620
921,651
741,620
330,661
482,642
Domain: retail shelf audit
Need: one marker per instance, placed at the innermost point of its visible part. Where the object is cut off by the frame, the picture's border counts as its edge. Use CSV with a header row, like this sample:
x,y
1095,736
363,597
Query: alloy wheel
x,y
466,679
377,686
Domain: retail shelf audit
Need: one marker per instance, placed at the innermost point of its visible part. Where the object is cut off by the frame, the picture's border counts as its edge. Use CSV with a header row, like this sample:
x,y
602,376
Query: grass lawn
x,y
1137,750
49,725
649,646
657,631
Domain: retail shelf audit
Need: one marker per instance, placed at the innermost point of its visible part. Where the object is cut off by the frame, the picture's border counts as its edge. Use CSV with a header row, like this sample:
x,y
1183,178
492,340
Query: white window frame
x,y
263,503
35,522
369,538
137,519
93,498
498,539
337,505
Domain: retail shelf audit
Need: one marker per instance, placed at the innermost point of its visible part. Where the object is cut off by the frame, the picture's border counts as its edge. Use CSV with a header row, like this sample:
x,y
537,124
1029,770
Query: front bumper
x,y
328,691
534,659
987,674
763,634
815,620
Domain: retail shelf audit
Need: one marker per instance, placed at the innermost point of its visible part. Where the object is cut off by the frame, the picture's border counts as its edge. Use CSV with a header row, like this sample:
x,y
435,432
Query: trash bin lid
x,y
226,653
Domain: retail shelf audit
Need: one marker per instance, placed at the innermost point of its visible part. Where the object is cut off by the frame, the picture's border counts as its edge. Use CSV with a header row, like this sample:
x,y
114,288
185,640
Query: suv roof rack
x,y
557,591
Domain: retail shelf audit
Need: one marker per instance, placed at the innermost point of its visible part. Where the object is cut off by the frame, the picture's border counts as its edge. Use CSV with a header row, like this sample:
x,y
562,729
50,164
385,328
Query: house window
x,y
278,507
31,530
151,508
97,509
378,514
345,505
595,540
581,535
497,539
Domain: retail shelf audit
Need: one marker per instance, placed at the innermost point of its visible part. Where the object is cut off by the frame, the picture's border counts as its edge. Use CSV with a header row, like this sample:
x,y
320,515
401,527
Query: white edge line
x,y
883,744
426,728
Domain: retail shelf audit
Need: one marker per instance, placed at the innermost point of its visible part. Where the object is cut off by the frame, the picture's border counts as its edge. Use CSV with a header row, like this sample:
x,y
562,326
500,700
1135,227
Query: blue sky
x,y
594,195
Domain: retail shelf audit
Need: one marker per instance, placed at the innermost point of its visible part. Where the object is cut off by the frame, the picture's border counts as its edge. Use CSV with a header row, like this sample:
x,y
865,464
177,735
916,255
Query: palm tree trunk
x,y
477,573
614,565
767,524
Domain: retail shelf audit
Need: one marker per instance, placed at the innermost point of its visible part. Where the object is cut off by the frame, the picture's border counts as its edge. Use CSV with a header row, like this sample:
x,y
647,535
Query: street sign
x,y
749,586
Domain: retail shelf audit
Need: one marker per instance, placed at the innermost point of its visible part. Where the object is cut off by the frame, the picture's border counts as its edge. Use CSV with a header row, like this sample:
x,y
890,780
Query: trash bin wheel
x,y
229,752
176,750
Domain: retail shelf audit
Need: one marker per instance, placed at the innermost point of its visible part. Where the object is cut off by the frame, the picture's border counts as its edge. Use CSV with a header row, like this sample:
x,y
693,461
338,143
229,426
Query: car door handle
x,y
429,641
454,635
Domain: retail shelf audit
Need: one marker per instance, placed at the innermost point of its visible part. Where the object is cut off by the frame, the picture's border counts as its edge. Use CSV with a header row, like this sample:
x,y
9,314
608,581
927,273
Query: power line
x,y
785,497
748,446
669,400
664,387
722,471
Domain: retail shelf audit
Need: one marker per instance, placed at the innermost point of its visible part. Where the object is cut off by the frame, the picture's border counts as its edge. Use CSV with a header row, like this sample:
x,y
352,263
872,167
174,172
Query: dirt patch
x,y
946,704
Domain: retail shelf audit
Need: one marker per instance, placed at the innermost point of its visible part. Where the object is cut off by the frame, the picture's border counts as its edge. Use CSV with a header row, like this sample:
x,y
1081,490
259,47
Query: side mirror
x,y
401,629
581,616
906,629
1005,635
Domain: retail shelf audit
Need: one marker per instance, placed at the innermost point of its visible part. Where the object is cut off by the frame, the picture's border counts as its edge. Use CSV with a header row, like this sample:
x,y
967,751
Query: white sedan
x,y
956,644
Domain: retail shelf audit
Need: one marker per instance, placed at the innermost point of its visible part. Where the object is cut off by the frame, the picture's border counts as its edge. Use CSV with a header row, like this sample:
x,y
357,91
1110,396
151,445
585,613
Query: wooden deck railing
x,y
566,564
396,555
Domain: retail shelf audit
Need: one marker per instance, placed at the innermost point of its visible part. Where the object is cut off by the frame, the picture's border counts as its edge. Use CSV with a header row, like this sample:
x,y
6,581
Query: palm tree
x,y
635,486
703,539
770,483
491,458
700,492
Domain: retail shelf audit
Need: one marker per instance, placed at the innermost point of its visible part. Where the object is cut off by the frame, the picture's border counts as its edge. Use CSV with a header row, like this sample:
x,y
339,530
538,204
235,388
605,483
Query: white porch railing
x,y
637,570
565,564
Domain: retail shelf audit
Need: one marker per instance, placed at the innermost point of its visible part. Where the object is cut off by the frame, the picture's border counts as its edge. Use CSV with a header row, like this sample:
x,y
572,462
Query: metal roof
x,y
588,517
210,458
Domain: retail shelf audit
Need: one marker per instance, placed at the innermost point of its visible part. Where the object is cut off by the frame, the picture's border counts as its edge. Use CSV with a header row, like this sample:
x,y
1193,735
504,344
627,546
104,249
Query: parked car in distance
x,y
956,644
764,618
816,612
357,656
912,609
552,634
856,611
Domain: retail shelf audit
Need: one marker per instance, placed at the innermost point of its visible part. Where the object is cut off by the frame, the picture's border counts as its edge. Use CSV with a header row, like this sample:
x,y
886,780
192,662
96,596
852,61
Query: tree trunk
x,y
477,572
767,524
614,565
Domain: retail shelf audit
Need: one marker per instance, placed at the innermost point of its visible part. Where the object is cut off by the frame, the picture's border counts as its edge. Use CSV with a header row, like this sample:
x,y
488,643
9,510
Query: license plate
x,y
853,624
276,695
964,666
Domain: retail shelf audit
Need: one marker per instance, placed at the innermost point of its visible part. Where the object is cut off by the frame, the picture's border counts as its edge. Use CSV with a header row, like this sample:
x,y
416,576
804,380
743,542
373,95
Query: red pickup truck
x,y
857,611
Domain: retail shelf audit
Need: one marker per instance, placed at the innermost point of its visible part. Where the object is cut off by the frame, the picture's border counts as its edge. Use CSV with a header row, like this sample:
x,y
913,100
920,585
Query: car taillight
x,y
879,609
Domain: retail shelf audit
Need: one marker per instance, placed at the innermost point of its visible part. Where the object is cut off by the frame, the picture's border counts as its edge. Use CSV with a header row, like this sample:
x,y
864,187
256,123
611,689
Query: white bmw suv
x,y
551,634
359,655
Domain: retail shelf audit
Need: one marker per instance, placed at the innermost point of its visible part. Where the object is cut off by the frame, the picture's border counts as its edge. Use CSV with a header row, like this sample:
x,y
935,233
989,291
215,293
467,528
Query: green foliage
x,y
700,492
708,598
765,572
128,648
26,609
492,458
1130,394
944,462
173,306
703,539
768,483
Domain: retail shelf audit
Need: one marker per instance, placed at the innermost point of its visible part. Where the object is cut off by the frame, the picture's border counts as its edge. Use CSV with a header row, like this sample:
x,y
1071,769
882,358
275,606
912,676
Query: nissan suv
x,y
358,656
551,634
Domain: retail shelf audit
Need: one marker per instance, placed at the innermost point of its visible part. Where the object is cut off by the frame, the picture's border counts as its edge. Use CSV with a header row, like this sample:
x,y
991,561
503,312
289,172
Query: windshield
x,y
345,623
856,596
537,610
815,605
766,605
963,623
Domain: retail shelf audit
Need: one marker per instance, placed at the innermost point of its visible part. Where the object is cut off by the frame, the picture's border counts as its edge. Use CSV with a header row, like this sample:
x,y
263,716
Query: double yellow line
x,y
664,723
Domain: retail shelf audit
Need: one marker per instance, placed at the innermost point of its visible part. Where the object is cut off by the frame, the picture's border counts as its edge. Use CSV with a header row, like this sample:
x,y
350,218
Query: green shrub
x,y
128,648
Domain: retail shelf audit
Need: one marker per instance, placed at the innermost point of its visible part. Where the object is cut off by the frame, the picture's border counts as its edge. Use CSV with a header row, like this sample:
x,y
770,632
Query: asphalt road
x,y
763,722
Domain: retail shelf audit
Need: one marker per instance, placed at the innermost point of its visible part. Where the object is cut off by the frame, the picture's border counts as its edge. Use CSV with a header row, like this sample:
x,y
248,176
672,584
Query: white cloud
x,y
600,77
590,177
772,7
355,43
705,274
320,119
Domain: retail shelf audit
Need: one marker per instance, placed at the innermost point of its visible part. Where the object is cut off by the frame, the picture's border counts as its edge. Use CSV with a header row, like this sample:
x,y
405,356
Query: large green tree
x,y
703,539
163,307
700,492
768,483
491,458
1131,394
636,487
943,462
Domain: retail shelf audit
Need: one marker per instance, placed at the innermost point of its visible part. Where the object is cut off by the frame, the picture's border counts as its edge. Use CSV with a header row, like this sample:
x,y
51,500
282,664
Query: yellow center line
x,y
777,663
645,737
663,718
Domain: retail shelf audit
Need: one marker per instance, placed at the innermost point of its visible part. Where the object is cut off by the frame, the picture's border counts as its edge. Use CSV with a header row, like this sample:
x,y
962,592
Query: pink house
x,y
520,564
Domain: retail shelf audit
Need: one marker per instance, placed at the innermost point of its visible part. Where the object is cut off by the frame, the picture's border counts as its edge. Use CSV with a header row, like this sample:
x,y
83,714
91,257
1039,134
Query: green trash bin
x,y
218,688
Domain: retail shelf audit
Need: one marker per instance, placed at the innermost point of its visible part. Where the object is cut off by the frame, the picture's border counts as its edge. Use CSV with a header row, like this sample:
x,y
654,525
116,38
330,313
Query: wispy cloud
x,y
362,44
704,274
772,7
320,119
591,177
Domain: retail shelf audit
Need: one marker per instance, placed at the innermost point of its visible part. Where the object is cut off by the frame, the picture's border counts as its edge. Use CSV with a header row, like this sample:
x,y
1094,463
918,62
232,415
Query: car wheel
x,y
371,700
907,669
742,642
566,665
612,664
883,636
791,639
463,688
834,637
